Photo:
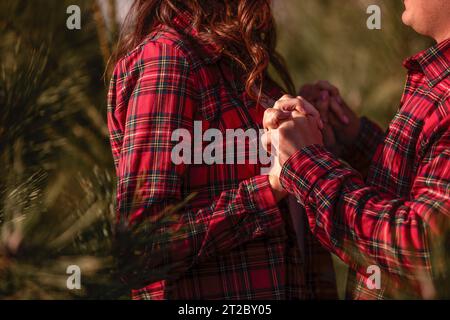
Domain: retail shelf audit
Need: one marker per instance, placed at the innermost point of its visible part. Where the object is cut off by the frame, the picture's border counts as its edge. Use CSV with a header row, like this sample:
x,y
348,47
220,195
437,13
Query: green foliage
x,y
57,175
57,185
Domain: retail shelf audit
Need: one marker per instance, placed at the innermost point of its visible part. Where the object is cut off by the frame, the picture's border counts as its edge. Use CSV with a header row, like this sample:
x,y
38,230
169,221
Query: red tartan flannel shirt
x,y
233,241
389,218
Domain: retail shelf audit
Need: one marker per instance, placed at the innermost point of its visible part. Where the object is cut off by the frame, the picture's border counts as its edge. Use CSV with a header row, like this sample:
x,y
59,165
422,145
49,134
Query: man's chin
x,y
406,18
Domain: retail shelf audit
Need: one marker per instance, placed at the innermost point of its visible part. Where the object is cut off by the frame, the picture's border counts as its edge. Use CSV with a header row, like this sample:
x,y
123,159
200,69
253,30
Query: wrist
x,y
278,191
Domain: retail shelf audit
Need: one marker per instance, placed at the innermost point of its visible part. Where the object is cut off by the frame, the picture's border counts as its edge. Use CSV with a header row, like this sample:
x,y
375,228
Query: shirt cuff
x,y
262,201
305,168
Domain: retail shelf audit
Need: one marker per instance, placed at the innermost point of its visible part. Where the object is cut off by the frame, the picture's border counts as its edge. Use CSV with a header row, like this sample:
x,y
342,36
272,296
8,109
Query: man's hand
x,y
342,125
292,124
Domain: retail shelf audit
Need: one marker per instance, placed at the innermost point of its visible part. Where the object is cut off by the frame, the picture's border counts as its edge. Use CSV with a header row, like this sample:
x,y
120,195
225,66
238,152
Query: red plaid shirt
x,y
390,218
233,241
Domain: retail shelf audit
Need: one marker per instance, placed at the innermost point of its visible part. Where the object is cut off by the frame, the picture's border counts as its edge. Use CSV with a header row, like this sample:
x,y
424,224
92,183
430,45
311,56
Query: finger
x,y
323,104
286,97
306,89
325,85
335,123
310,110
273,118
300,105
337,108
310,92
286,104
339,129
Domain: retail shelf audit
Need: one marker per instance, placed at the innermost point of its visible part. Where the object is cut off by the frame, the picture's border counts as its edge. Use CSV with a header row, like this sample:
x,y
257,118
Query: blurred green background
x,y
329,39
57,175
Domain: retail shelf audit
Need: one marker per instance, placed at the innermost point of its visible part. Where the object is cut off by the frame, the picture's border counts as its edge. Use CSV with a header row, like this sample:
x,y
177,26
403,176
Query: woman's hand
x,y
288,133
342,125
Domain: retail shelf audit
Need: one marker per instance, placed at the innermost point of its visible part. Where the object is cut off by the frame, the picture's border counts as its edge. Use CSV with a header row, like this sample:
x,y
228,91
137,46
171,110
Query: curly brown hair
x,y
243,29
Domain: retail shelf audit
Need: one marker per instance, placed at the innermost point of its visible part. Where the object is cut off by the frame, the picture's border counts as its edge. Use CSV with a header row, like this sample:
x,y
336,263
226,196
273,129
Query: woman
x,y
185,62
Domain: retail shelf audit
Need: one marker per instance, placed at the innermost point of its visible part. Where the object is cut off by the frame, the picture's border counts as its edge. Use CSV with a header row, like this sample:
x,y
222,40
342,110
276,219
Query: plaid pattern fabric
x,y
232,240
390,218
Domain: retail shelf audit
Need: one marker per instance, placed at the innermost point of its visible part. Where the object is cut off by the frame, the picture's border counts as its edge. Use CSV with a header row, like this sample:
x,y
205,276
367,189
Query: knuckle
x,y
299,101
277,105
268,114
269,118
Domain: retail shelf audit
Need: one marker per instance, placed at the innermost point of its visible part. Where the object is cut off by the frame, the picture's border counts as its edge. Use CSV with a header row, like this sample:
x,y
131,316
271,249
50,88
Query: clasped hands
x,y
319,116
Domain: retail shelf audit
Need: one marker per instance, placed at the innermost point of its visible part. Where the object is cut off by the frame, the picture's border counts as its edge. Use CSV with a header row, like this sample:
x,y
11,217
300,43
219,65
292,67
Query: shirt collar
x,y
433,62
183,23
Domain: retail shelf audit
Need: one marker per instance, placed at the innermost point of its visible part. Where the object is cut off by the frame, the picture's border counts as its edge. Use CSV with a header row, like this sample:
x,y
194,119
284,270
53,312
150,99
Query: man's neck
x,y
442,36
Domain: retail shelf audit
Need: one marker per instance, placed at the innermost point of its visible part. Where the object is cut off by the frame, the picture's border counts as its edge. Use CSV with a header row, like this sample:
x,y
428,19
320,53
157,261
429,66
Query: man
x,y
388,206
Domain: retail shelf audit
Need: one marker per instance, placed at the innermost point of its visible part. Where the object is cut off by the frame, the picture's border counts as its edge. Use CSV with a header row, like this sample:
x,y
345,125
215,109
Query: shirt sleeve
x,y
361,153
164,100
365,227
